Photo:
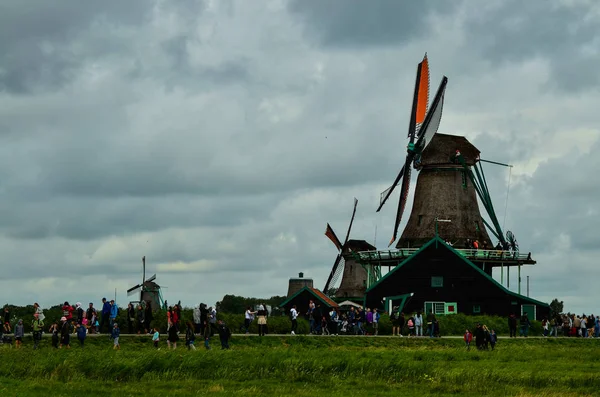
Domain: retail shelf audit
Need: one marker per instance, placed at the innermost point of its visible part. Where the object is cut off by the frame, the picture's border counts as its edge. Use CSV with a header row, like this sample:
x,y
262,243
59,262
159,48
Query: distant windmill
x,y
148,289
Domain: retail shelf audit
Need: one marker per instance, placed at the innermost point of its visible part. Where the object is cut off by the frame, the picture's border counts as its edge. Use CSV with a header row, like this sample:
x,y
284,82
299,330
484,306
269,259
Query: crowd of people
x,y
139,319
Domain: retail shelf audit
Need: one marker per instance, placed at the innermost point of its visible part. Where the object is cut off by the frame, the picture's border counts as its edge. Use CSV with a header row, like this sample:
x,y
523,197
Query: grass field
x,y
306,366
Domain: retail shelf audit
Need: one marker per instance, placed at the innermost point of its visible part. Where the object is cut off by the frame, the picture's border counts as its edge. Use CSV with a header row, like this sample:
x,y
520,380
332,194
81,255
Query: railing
x,y
403,253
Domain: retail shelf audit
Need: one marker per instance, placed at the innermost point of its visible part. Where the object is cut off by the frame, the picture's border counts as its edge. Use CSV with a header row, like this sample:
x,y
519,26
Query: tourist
x,y
67,310
418,323
115,335
65,334
196,316
525,324
114,311
141,319
262,320
130,315
294,318
172,336
81,333
248,318
37,329
512,325
206,335
190,337
212,320
19,333
468,337
156,338
80,313
90,315
148,317
105,314
224,335
39,311
375,319
493,339
54,331
430,319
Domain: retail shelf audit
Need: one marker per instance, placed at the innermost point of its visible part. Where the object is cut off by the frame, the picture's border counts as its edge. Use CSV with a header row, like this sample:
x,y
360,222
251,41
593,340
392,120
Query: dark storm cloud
x,y
356,23
36,37
565,34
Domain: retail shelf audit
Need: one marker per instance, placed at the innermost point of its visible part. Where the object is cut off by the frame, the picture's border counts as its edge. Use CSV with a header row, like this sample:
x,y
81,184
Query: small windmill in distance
x,y
148,289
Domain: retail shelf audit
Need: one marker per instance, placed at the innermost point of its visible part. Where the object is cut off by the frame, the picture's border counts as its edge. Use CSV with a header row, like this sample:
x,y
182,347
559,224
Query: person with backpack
x,y
395,317
224,334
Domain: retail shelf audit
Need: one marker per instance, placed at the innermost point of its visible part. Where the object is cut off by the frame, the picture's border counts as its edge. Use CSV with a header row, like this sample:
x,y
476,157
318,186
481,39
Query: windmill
x,y
450,178
148,290
423,125
353,275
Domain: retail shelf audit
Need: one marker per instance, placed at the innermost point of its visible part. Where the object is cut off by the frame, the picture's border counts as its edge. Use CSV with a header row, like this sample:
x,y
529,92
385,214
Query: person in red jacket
x,y
468,338
68,311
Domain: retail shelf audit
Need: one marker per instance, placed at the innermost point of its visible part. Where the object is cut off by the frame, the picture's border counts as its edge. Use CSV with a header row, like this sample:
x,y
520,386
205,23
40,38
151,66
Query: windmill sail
x,y
436,118
423,94
331,235
351,220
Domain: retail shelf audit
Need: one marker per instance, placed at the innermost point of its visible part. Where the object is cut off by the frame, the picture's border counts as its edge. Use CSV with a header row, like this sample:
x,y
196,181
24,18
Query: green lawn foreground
x,y
303,366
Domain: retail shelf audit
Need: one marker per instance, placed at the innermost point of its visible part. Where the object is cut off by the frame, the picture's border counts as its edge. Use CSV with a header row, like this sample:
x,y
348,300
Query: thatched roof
x,y
443,147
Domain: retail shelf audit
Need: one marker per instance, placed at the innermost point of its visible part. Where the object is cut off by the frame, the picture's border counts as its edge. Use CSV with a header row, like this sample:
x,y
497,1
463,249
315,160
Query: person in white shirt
x,y
249,318
419,324
294,316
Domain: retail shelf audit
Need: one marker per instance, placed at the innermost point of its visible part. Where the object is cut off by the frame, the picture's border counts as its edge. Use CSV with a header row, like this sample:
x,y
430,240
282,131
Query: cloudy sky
x,y
219,137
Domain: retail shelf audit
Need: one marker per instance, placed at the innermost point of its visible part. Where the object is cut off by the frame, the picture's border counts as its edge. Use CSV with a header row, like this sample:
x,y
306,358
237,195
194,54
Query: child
x,y
468,338
81,332
19,333
190,338
37,326
54,331
156,338
206,335
493,339
115,335
224,334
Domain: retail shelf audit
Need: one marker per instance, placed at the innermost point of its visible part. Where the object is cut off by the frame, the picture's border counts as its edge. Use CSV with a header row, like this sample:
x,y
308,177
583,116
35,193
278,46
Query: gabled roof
x,y
316,293
464,259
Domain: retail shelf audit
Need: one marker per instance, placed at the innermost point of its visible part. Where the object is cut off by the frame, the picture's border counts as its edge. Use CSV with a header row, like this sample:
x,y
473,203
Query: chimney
x,y
300,275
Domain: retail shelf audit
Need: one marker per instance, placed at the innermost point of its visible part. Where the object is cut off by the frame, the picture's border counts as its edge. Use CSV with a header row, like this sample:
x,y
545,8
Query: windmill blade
x,y
387,192
334,274
422,98
133,290
404,189
351,220
151,278
433,118
334,239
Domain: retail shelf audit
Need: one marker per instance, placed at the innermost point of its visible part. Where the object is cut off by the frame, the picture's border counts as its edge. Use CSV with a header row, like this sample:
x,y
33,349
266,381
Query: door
x,y
530,310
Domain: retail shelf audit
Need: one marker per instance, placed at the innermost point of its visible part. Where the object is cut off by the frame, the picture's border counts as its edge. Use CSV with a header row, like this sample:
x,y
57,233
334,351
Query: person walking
x,y
37,327
294,318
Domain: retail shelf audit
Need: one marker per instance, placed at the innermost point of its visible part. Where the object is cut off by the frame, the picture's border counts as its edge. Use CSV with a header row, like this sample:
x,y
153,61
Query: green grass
x,y
304,365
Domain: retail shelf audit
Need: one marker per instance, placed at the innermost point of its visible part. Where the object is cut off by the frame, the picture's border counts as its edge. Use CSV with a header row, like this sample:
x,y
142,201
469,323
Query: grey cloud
x,y
36,37
355,23
516,31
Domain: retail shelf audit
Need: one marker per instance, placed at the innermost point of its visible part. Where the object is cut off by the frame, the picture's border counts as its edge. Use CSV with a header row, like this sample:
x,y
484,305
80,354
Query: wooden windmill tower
x,y
148,290
353,281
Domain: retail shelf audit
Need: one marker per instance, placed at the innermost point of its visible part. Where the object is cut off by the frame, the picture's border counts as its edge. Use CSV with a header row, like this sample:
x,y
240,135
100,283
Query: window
x,y
476,309
420,219
439,308
437,282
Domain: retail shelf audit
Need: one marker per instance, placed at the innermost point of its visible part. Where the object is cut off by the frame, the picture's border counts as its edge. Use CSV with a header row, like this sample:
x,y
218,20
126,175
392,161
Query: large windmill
x,y
449,181
353,275
148,290
424,122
